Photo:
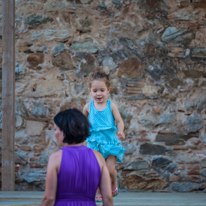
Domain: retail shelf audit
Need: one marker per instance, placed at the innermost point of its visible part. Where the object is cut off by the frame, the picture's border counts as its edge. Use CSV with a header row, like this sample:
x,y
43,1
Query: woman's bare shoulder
x,y
55,156
100,158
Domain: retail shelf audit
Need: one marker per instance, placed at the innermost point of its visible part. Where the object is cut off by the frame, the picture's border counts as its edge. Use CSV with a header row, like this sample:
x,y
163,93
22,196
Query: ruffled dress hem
x,y
107,149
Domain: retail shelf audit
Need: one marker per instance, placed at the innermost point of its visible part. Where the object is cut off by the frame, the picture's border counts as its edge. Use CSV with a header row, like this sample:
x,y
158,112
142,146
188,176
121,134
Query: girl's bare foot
x,y
98,198
115,188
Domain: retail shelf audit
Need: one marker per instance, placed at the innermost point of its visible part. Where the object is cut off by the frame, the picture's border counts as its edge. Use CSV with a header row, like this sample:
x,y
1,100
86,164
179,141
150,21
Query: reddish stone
x,y
38,147
35,59
180,148
192,162
194,147
149,48
193,172
197,143
33,165
174,178
193,167
166,132
131,67
142,132
142,139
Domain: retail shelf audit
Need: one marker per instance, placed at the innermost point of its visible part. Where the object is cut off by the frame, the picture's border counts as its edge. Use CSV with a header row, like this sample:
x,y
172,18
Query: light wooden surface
x,y
8,94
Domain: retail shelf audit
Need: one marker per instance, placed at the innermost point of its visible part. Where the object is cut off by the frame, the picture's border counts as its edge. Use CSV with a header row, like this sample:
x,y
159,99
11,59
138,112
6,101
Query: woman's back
x,y
78,178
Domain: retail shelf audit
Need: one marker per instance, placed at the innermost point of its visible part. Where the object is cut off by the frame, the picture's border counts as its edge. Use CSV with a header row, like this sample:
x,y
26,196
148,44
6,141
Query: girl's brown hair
x,y
99,74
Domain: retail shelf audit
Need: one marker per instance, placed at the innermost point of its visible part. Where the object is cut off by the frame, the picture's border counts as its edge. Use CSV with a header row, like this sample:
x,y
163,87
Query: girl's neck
x,y
100,106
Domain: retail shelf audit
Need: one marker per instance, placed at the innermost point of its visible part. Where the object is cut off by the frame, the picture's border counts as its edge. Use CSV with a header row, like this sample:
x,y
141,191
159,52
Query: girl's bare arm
x,y
86,110
118,119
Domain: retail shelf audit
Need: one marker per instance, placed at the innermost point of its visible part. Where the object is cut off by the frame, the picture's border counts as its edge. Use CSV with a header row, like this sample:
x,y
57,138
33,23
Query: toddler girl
x,y
102,115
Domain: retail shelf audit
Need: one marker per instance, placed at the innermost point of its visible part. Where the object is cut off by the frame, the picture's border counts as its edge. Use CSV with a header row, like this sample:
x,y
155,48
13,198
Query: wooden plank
x,y
8,95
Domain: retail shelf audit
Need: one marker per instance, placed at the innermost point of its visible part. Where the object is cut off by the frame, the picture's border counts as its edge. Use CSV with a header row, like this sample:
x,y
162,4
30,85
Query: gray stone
x,y
172,139
50,34
103,54
108,64
152,149
184,15
58,49
137,165
52,5
160,162
35,20
19,68
126,118
44,158
149,120
34,176
116,3
129,148
87,46
39,110
156,70
19,122
21,158
198,103
199,53
178,35
170,168
185,186
194,123
102,5
167,119
203,172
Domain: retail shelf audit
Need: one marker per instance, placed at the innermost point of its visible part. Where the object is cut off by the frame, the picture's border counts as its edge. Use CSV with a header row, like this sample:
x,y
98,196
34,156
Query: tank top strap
x,y
91,105
109,105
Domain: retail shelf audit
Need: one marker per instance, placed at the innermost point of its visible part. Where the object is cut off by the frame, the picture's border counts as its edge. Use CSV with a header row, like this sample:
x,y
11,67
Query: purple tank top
x,y
78,178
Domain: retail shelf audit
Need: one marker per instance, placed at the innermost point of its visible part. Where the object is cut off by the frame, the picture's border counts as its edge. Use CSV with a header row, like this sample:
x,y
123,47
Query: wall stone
x,y
155,54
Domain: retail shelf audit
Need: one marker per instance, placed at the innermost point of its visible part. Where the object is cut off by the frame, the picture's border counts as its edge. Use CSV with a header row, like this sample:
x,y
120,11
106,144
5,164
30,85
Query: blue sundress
x,y
103,136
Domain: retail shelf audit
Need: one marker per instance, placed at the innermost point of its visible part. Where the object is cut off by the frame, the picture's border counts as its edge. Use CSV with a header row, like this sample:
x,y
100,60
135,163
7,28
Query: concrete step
x,y
123,199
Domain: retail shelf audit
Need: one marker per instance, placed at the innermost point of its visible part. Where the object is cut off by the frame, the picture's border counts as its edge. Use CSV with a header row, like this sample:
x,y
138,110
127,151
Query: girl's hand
x,y
121,135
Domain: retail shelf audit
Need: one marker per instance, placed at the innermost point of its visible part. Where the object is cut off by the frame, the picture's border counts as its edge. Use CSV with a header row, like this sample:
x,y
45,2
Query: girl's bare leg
x,y
98,196
111,163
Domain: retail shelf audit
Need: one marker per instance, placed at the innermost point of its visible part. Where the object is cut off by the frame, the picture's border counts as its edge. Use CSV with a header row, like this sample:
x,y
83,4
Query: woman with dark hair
x,y
75,171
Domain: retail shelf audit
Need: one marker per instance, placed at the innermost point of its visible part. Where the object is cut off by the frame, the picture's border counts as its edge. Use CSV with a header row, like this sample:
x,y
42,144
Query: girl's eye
x,y
102,90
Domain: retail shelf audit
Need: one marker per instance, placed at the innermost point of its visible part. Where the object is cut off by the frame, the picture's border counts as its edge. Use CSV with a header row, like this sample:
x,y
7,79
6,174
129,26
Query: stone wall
x,y
155,52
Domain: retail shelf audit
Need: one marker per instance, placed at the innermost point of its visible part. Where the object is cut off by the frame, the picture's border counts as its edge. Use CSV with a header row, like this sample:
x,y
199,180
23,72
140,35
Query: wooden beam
x,y
8,95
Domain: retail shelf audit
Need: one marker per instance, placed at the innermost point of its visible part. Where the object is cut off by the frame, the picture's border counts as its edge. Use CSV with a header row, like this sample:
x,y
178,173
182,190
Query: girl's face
x,y
59,135
99,91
